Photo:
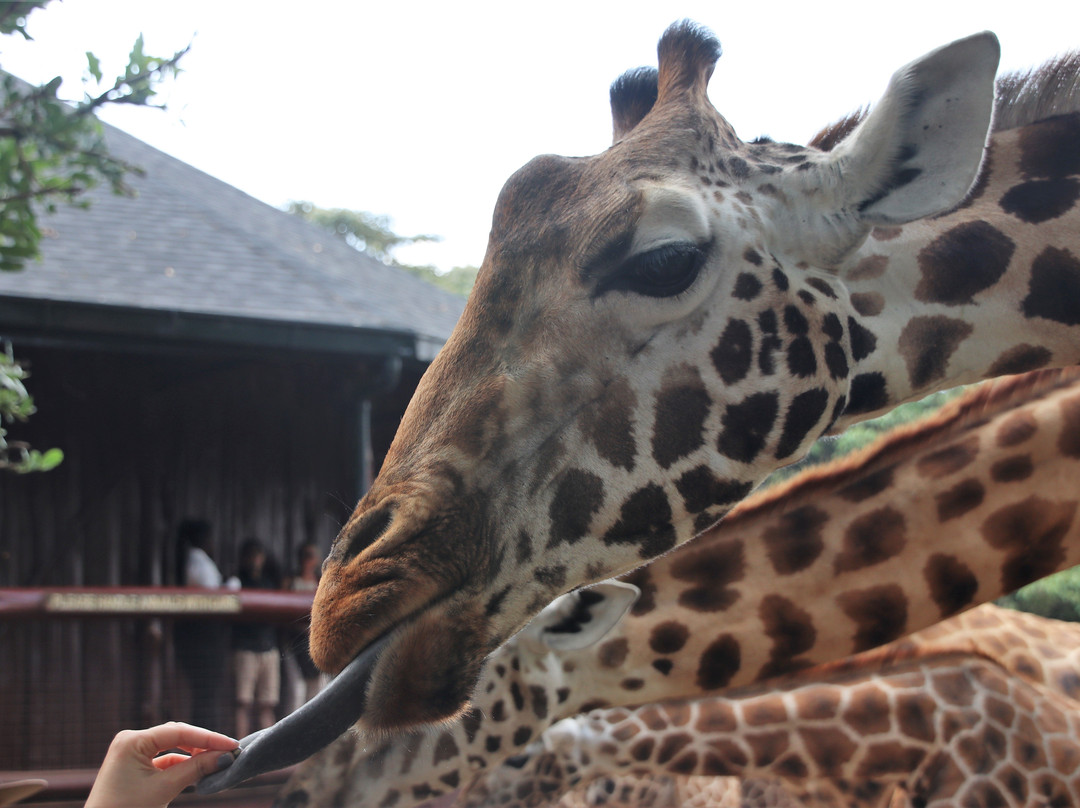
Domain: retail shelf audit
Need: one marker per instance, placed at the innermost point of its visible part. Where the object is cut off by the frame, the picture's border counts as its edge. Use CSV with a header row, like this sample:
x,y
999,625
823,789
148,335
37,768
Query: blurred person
x,y
256,659
200,645
302,679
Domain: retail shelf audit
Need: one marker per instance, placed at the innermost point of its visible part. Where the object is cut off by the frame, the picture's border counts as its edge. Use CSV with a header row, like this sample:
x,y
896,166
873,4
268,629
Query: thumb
x,y
190,771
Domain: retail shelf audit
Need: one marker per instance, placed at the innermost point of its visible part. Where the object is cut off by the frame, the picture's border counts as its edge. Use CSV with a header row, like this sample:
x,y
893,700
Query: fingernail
x,y
226,759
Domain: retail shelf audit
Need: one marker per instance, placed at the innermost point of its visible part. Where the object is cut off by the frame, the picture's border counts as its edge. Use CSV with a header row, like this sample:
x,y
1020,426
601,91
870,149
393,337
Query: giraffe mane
x,y
828,138
1023,97
1026,96
977,405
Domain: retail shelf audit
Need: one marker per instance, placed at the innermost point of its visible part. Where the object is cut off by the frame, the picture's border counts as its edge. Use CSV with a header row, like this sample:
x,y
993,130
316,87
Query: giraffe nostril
x,y
363,533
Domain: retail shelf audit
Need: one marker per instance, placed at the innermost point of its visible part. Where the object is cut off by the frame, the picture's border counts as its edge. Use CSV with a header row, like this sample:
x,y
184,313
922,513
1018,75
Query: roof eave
x,y
94,325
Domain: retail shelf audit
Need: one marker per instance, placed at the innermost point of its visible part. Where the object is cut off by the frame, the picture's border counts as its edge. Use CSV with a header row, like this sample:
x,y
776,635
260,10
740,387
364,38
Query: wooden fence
x,y
79,664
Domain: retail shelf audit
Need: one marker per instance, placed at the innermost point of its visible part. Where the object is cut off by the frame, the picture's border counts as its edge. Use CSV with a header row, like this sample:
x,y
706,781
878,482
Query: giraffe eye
x,y
661,272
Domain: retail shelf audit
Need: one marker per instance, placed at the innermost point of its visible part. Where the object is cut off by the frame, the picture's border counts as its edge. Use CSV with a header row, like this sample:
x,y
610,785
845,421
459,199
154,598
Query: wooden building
x,y
196,354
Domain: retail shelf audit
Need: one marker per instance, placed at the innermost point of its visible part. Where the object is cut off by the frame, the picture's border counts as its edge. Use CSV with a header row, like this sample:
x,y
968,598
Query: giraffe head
x,y
653,330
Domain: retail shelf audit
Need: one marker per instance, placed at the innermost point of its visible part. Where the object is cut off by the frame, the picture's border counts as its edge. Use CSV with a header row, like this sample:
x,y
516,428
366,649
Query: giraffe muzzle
x,y
304,732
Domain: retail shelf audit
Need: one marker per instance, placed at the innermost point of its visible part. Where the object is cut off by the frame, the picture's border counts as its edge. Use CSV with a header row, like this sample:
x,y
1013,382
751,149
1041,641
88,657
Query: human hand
x,y
133,776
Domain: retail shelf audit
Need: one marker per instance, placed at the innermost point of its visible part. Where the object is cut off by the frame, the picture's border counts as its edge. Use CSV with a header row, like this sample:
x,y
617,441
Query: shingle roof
x,y
194,249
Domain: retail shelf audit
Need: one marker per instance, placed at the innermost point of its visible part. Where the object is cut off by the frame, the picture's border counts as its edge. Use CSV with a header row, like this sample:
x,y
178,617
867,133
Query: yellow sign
x,y
139,603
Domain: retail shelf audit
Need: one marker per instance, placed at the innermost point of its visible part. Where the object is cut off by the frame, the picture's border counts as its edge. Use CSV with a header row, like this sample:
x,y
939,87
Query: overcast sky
x,y
422,110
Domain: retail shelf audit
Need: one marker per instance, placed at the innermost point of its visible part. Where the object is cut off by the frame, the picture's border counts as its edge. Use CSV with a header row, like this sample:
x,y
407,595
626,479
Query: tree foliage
x,y
373,234
17,405
1056,596
458,280
52,151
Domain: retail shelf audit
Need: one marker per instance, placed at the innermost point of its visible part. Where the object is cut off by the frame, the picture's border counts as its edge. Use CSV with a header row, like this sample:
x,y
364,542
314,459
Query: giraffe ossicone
x,y
656,328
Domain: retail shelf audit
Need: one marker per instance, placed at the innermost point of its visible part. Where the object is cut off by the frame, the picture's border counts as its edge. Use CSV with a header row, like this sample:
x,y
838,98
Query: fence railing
x,y
78,664
259,605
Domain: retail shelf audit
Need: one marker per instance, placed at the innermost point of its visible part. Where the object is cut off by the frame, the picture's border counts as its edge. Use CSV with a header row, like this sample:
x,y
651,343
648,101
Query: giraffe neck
x,y
926,523
520,696
990,289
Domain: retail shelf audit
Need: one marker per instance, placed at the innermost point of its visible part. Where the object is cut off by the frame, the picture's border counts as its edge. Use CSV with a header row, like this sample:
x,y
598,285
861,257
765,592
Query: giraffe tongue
x,y
301,734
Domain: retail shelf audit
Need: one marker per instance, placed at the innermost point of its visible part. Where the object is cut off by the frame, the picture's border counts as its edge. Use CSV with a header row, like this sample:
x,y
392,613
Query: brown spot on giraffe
x,y
1051,148
578,496
645,520
720,661
718,721
829,747
669,637
701,489
885,233
1016,429
1012,469
822,704
746,425
1031,531
872,538
952,583
927,343
682,405
868,304
1055,281
868,485
1021,358
765,713
1039,201
710,575
609,426
943,462
958,500
968,259
915,716
795,542
445,749
889,758
869,268
613,653
791,630
734,353
803,415
867,710
879,612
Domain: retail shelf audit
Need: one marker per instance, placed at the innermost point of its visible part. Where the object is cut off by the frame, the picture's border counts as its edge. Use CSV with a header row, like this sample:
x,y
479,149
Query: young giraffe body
x,y
941,725
646,791
656,328
960,508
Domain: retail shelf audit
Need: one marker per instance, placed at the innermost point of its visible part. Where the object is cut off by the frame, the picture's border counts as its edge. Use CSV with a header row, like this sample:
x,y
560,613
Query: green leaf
x,y
94,65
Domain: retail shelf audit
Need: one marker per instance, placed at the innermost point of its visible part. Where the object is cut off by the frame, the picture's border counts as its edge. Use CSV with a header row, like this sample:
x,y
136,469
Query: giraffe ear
x,y
632,94
583,617
919,150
